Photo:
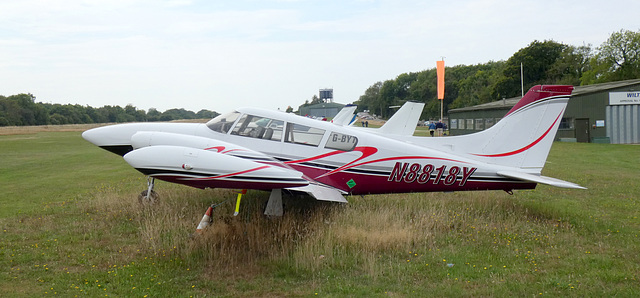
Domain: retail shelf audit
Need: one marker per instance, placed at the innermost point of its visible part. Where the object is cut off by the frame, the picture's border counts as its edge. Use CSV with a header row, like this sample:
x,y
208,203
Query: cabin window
x,y
342,142
223,122
301,134
259,128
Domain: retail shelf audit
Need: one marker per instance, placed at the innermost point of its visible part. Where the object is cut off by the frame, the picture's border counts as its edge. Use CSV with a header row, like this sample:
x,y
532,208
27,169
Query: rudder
x,y
524,136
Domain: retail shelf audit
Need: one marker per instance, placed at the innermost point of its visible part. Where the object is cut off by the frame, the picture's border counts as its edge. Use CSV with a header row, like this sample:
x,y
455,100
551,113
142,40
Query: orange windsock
x,y
440,73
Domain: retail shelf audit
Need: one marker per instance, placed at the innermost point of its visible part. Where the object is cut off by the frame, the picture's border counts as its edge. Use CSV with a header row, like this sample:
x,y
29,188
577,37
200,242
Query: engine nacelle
x,y
143,139
201,168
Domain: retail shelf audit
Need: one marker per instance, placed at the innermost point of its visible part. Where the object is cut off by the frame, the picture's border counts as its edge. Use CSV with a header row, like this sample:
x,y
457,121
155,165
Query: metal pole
x,y
521,80
441,108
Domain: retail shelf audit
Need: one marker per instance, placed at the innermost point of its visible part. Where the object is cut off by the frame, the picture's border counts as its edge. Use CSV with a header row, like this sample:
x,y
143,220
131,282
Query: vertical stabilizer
x,y
346,116
524,136
522,139
404,121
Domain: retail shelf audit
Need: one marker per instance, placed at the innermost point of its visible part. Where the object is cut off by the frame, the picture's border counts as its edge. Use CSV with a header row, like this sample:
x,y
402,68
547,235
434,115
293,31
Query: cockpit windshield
x,y
223,122
259,127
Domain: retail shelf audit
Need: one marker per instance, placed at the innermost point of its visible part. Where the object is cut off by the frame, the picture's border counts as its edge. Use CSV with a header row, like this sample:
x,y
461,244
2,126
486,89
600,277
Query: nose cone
x,y
92,135
117,138
111,138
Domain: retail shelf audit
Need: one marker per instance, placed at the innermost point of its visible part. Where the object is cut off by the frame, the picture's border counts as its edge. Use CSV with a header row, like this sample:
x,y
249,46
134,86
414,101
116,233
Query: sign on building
x,y
624,98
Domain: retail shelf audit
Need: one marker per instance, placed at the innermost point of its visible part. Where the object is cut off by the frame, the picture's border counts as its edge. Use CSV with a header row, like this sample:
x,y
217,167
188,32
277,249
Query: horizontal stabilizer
x,y
322,193
539,179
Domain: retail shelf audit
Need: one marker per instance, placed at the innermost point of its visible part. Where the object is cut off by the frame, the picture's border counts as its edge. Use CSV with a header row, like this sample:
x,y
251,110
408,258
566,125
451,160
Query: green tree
x,y
475,87
571,66
386,98
135,114
424,89
206,114
369,98
537,59
618,58
153,114
57,119
315,100
174,114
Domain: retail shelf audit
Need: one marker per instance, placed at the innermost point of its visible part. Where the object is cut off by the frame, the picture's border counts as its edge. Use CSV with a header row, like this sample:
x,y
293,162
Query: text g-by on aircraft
x,y
260,149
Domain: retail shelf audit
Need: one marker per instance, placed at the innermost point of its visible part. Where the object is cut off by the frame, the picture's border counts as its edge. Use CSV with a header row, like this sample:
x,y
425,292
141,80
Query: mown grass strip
x,y
87,235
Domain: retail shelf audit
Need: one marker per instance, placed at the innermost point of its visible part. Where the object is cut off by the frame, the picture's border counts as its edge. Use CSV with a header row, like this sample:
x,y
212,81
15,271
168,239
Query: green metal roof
x,y
578,90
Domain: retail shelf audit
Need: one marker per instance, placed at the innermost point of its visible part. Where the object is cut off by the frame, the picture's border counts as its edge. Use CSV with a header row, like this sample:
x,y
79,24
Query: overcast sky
x,y
219,55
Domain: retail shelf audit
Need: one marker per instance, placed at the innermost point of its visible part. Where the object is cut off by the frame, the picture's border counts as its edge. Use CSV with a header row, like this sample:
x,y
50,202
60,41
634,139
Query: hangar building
x,y
326,109
599,113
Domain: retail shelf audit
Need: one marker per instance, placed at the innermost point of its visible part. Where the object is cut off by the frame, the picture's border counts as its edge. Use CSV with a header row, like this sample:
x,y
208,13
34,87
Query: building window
x,y
479,123
454,123
488,123
469,123
566,123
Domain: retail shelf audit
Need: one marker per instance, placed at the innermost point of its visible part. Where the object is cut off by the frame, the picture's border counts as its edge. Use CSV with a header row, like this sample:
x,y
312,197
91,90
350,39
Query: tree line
x,y
544,62
22,109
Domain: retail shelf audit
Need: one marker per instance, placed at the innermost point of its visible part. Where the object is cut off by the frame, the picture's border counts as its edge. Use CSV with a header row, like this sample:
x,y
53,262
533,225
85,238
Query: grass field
x,y
71,225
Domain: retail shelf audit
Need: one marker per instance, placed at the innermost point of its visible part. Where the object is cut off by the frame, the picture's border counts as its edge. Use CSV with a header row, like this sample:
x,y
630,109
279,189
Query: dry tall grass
x,y
314,235
168,226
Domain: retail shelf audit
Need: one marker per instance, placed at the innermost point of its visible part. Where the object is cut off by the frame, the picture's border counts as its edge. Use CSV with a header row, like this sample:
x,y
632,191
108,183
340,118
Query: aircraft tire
x,y
142,198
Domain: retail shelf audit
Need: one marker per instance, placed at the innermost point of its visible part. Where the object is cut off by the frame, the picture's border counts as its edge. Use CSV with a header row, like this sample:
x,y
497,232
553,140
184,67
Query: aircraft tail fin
x,y
346,116
523,138
404,121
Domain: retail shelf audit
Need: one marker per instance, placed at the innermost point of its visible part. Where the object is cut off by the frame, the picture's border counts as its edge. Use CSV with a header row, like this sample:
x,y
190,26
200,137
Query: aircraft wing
x,y
539,179
321,193
404,121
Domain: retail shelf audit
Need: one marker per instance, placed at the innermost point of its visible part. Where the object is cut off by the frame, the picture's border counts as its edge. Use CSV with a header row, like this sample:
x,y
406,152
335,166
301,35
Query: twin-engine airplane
x,y
270,150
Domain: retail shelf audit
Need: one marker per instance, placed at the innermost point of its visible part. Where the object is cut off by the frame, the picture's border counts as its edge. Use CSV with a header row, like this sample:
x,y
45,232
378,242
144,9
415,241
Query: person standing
x,y
432,128
439,128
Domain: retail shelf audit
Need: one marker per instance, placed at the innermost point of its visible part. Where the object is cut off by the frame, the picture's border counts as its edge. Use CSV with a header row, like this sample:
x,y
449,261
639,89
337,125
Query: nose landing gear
x,y
149,196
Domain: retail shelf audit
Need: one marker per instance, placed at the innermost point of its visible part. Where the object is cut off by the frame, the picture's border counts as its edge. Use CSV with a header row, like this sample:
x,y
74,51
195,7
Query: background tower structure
x,y
326,94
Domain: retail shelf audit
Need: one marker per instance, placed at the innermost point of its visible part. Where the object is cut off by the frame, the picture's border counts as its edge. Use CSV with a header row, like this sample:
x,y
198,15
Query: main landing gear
x,y
274,208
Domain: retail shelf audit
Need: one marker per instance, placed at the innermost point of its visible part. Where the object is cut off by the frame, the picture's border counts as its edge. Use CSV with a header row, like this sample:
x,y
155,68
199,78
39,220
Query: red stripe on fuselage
x,y
346,167
231,174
